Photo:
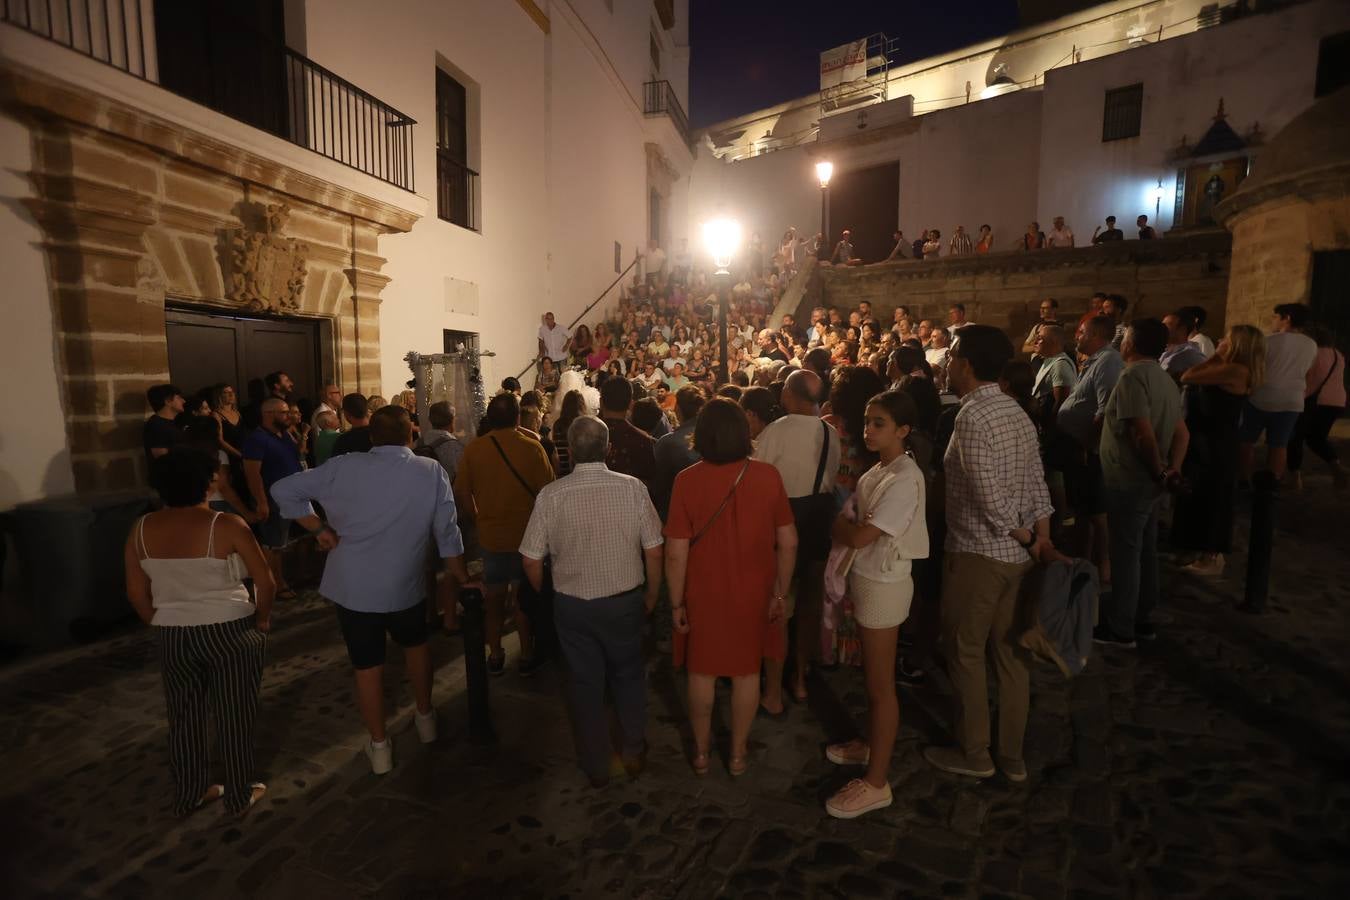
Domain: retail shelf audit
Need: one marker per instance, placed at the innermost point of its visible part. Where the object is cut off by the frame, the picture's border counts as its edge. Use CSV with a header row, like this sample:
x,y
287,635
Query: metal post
x,y
722,282
1260,542
824,216
475,668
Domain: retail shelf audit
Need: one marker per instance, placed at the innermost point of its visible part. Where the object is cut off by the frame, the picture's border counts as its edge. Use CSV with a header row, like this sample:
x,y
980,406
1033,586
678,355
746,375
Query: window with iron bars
x,y
1122,113
455,181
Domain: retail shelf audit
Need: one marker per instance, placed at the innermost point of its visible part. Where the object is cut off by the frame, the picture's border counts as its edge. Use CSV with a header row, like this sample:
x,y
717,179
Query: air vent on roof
x,y
1209,15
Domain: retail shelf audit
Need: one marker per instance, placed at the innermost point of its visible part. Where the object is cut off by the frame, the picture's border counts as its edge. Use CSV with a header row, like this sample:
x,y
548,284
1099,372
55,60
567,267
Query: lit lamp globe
x,y
824,170
721,237
1159,192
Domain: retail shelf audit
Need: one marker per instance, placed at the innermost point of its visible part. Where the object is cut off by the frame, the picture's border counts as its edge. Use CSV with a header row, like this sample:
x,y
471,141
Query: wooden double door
x,y
207,348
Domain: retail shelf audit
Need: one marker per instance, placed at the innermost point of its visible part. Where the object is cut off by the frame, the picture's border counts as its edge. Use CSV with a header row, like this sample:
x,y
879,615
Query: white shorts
x,y
880,604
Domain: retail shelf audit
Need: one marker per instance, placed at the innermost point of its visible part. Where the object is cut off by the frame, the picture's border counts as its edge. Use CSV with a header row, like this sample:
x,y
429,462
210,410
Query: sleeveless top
x,y
195,590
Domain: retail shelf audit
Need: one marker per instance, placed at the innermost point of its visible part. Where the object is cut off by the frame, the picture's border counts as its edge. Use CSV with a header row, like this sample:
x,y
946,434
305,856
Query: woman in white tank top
x,y
185,567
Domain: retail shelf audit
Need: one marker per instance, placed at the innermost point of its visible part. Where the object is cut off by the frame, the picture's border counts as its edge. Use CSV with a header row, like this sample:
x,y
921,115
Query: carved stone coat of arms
x,y
267,271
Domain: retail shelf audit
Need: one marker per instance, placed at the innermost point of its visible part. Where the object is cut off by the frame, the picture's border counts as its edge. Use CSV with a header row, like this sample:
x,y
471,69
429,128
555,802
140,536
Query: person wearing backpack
x,y
438,440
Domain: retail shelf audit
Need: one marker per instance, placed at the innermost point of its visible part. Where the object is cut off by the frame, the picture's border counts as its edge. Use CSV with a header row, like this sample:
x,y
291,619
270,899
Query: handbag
x,y
814,513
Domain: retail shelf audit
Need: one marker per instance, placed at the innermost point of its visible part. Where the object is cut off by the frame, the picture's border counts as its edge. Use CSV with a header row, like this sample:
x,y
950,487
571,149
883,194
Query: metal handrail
x,y
582,314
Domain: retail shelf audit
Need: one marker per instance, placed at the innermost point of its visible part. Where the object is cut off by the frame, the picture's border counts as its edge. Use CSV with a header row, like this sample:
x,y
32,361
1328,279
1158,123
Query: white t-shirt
x,y
792,446
936,356
555,341
1060,237
1204,343
1289,356
894,498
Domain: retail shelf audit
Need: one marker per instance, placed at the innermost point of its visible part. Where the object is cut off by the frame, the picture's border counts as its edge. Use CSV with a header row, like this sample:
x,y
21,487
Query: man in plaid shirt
x,y
998,525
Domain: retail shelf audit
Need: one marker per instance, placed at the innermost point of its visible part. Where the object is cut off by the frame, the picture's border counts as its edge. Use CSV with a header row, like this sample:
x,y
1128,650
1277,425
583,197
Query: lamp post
x,y
1157,202
721,237
824,169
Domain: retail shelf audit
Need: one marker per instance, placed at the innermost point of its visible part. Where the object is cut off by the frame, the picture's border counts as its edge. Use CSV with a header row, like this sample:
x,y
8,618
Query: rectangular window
x,y
656,54
1333,64
455,182
1122,113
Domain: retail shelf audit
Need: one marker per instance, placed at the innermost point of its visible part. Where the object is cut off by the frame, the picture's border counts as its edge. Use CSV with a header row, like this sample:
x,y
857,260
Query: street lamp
x,y
824,169
722,237
1158,193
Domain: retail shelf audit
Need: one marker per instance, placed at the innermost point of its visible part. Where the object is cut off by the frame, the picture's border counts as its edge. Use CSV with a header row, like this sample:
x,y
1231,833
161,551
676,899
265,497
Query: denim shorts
x,y
274,532
1278,426
501,568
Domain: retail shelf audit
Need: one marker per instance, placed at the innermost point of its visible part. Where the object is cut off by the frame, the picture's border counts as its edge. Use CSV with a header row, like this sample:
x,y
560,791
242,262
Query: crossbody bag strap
x,y
523,483
725,501
824,455
1335,363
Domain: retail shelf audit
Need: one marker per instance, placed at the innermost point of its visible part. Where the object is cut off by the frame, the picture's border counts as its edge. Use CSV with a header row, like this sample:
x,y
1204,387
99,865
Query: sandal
x,y
213,792
257,790
699,763
737,765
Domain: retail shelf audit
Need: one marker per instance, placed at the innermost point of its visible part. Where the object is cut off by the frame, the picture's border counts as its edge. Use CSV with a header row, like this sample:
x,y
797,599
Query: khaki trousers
x,y
979,602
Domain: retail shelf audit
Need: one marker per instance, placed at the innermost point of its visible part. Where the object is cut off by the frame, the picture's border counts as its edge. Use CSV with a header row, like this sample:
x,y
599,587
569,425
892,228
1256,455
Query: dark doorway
x,y
1330,287
227,56
210,348
867,202
453,341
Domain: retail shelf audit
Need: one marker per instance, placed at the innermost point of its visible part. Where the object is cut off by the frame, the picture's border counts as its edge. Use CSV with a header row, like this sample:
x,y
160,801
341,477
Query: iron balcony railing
x,y
456,191
660,100
285,94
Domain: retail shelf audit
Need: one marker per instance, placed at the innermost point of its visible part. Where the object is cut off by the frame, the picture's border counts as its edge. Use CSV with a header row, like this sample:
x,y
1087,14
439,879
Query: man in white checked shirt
x,y
998,525
604,537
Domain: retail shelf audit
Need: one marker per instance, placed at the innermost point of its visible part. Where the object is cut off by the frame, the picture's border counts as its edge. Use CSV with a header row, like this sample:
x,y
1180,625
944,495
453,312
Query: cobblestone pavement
x,y
1209,763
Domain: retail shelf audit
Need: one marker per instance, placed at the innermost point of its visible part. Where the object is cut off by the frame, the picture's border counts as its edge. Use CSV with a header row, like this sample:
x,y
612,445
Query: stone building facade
x,y
136,211
1292,212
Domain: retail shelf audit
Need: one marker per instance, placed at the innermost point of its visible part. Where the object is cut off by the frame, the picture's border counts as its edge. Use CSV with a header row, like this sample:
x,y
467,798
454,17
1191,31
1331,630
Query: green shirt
x,y
1144,391
323,445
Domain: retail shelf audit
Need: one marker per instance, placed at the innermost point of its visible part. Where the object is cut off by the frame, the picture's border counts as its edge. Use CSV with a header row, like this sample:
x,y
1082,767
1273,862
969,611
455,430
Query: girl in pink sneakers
x,y
888,532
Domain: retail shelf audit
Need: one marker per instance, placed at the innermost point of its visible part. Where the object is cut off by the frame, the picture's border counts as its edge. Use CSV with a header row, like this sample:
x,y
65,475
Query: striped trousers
x,y
211,670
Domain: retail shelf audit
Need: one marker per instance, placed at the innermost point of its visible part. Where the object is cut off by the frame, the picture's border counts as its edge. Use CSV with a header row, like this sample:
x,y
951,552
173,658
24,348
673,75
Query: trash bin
x,y
70,555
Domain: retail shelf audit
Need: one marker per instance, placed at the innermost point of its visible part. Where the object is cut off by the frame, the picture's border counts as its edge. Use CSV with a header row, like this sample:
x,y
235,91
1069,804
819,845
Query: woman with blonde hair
x,y
1215,391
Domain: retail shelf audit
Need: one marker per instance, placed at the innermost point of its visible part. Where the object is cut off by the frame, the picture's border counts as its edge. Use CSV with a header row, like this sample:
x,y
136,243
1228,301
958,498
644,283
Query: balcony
x,y
660,100
275,89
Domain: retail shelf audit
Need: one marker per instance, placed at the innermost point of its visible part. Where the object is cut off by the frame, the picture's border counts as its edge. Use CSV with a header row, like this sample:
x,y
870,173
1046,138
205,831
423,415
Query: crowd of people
x,y
857,491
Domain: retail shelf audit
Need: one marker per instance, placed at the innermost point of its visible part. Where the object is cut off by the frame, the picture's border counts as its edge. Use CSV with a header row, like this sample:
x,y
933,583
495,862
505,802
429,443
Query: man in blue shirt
x,y
269,456
384,507
1079,428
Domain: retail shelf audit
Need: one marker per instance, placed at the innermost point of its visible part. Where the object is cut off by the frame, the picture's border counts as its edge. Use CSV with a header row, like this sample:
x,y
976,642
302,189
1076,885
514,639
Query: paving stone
x,y
730,844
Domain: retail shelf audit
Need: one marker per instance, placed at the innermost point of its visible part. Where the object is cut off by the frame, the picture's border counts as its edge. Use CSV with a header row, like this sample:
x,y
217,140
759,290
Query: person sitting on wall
x,y
1146,232
843,251
1112,233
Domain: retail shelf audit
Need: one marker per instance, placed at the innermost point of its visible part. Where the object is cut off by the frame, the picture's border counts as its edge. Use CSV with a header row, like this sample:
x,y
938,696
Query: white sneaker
x,y
426,726
381,757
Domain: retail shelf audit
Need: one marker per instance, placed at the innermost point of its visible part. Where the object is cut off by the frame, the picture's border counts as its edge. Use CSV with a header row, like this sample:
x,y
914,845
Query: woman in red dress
x,y
730,549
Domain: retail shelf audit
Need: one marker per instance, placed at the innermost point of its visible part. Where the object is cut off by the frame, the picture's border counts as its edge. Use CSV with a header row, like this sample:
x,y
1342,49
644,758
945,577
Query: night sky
x,y
749,54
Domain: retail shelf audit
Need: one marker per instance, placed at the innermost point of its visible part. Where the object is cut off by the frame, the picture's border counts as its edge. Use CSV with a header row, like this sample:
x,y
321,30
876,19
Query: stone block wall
x,y
1005,289
1276,241
136,212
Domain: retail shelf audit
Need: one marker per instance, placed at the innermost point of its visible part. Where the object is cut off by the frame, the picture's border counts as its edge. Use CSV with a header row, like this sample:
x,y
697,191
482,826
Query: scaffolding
x,y
871,88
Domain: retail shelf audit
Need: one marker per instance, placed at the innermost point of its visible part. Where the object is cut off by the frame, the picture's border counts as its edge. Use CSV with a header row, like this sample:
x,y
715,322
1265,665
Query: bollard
x,y
1260,542
475,668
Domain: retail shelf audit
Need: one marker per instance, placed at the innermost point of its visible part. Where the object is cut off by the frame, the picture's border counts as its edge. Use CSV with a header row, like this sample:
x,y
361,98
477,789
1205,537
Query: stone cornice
x,y
37,95
1314,184
1200,246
